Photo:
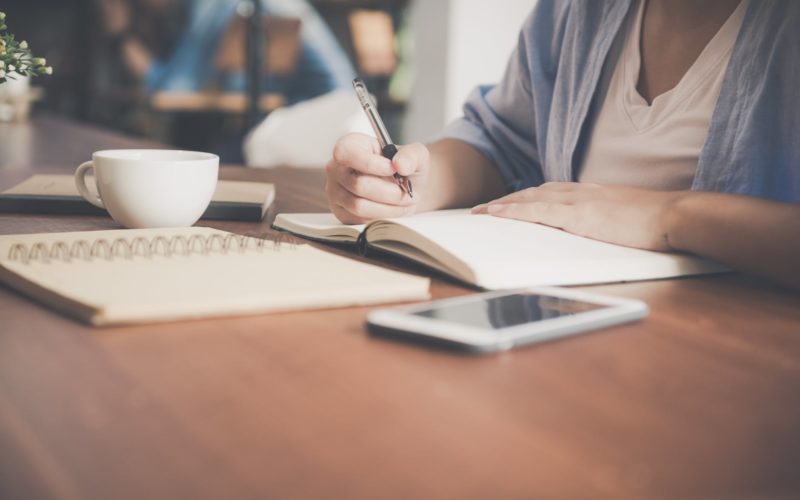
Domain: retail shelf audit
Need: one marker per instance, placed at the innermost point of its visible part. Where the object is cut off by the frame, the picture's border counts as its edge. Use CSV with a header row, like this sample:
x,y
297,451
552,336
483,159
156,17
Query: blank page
x,y
505,253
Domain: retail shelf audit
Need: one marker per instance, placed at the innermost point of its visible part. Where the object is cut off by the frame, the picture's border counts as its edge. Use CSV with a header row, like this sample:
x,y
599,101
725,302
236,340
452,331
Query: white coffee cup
x,y
144,188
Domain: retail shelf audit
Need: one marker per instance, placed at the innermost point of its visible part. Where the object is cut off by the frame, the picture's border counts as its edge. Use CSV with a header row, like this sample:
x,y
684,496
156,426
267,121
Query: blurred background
x,y
243,78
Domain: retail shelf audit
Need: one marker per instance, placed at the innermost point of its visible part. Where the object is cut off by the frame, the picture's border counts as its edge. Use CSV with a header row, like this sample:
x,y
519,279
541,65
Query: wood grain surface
x,y
699,400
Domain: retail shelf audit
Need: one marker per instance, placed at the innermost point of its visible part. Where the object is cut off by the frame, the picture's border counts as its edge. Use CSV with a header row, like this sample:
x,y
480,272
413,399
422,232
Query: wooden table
x,y
700,400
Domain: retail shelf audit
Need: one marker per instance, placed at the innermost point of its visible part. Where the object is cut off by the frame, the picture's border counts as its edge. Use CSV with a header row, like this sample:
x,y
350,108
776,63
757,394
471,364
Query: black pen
x,y
388,149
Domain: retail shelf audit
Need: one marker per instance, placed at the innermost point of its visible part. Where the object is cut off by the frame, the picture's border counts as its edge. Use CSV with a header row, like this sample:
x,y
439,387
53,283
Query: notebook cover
x,y
167,274
64,204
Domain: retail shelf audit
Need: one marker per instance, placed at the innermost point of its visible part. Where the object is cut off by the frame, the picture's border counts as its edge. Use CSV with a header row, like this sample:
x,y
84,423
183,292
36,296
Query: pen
x,y
388,149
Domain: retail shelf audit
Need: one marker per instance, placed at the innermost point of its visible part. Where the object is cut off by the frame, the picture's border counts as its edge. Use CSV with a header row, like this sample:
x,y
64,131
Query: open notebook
x,y
141,275
57,194
495,253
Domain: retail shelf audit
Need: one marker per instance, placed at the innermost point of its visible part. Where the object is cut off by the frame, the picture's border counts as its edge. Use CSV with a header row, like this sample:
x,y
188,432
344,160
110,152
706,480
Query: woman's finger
x,y
551,191
361,152
362,209
411,158
379,189
533,195
551,214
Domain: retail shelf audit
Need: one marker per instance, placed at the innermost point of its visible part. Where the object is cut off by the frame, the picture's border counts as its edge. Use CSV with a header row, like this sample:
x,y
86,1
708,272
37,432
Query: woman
x,y
678,119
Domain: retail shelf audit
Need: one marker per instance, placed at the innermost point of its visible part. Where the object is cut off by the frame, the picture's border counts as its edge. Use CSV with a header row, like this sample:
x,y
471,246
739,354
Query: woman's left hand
x,y
617,214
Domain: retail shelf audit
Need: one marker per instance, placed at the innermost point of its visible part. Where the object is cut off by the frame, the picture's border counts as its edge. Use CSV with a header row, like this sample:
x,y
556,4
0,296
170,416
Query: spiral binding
x,y
143,247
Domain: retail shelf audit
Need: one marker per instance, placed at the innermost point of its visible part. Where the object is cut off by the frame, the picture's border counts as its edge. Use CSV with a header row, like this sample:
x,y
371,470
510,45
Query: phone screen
x,y
508,310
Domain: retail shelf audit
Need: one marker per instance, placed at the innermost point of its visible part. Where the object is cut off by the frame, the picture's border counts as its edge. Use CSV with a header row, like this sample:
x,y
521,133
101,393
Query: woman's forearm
x,y
460,176
753,235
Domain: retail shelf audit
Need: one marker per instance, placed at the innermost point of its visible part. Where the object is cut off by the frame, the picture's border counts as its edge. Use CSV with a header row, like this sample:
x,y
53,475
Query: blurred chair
x,y
373,37
282,46
284,137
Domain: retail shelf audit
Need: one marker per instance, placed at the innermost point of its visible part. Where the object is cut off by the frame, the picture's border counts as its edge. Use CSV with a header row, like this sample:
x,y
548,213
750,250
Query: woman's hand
x,y
617,214
360,183
749,234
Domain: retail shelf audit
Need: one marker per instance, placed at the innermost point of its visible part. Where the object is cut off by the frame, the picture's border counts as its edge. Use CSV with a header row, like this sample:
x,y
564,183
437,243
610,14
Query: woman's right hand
x,y
360,183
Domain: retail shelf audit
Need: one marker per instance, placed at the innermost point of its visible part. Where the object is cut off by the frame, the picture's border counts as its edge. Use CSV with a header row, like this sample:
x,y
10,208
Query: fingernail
x,y
478,208
495,208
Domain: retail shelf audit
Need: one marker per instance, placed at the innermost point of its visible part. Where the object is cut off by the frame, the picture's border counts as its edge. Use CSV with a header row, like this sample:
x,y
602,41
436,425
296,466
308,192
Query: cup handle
x,y
80,183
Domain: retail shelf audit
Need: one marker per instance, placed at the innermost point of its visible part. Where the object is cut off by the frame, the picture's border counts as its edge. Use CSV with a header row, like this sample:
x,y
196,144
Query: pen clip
x,y
362,93
371,110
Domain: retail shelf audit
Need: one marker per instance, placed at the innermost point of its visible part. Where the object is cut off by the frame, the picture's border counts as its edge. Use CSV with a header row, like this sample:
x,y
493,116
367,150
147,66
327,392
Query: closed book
x,y
57,194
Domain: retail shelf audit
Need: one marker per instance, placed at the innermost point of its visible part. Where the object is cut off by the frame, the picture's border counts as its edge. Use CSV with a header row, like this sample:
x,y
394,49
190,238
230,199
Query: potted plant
x,y
17,65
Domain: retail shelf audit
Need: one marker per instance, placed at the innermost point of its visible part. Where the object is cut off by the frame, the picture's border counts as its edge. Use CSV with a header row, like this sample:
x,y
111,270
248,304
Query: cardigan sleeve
x,y
507,122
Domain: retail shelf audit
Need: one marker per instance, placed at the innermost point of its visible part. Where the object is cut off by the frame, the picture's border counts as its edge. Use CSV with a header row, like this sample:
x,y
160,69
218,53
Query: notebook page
x,y
318,225
138,289
326,226
505,253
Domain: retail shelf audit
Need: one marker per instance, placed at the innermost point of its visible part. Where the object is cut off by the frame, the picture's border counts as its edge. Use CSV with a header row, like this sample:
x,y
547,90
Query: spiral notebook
x,y
144,275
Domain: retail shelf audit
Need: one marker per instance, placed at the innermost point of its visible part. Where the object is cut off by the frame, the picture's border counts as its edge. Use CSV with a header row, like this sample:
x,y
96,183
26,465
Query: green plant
x,y
16,58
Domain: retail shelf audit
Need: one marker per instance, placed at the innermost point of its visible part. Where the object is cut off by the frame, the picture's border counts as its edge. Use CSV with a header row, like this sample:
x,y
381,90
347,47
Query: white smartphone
x,y
494,321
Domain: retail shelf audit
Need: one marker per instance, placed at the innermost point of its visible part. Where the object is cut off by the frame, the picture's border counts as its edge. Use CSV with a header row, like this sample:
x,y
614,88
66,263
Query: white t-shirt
x,y
657,146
